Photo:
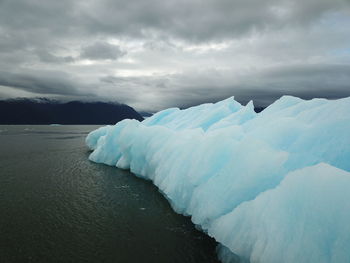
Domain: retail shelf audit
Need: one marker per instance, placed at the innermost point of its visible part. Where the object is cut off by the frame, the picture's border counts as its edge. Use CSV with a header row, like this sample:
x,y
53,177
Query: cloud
x,y
41,82
156,54
209,20
102,51
191,88
47,57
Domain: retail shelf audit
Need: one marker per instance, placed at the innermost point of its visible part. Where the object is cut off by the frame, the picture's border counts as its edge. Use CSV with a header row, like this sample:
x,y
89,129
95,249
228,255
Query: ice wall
x,y
270,187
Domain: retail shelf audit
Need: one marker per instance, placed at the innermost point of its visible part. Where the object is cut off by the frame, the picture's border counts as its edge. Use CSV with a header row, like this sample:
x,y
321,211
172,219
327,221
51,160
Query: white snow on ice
x,y
269,187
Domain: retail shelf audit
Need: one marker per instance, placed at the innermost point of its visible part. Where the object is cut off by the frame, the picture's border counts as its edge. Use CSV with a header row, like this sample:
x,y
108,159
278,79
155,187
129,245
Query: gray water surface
x,y
57,206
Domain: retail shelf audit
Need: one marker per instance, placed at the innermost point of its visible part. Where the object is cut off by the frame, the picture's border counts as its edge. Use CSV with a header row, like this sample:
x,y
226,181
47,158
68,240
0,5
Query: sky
x,y
155,54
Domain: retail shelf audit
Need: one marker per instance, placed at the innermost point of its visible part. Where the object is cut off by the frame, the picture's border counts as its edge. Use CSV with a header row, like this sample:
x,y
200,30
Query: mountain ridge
x,y
48,111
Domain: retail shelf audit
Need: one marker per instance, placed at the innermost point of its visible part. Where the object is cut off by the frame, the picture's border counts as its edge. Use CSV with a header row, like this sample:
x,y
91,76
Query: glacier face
x,y
270,187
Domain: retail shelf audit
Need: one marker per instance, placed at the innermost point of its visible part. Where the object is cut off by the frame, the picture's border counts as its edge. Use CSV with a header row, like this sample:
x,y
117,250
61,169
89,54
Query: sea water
x,y
57,206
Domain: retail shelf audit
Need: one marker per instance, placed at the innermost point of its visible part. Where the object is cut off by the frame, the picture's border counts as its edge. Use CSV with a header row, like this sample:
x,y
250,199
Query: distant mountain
x,y
145,114
44,111
259,109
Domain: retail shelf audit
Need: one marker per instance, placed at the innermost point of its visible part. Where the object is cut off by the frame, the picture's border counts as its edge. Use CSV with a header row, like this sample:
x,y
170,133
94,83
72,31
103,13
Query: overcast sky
x,y
154,54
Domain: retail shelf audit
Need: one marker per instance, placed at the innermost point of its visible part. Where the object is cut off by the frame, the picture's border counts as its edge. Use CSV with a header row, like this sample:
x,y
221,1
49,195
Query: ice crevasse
x,y
269,187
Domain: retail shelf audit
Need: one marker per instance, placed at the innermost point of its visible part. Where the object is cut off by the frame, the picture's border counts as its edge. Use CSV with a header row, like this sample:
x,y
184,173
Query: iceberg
x,y
269,187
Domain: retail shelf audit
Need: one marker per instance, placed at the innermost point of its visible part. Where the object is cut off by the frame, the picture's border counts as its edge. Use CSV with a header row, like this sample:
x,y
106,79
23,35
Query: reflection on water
x,y
56,206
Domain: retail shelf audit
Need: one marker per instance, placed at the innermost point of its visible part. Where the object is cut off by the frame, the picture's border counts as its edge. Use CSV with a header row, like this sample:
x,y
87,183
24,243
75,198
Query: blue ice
x,y
269,187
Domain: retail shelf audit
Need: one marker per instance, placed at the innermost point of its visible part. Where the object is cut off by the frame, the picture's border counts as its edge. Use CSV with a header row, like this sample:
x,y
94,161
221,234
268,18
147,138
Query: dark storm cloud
x,y
190,20
170,53
198,20
36,15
